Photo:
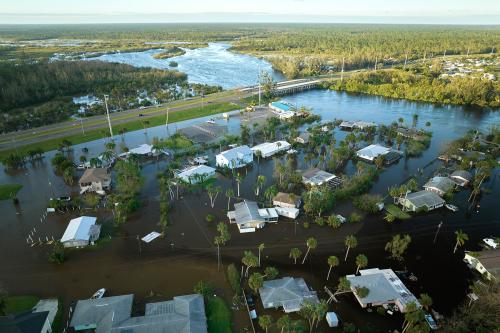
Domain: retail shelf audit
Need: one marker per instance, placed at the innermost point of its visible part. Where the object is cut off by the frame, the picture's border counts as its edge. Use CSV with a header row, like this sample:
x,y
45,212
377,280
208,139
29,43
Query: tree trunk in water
x,y
456,246
347,253
328,275
305,257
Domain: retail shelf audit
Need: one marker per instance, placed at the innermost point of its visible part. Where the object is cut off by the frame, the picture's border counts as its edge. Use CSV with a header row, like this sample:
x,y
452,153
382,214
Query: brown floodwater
x,y
172,266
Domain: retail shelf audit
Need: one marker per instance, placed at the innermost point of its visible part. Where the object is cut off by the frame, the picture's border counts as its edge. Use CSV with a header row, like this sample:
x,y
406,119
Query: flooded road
x,y
171,266
213,65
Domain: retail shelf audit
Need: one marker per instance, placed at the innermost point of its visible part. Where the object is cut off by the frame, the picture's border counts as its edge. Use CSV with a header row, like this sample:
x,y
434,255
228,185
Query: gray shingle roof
x,y
462,174
443,184
246,212
287,292
425,198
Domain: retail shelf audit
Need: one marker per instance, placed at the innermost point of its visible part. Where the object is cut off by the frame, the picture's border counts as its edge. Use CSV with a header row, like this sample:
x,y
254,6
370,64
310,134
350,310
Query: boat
x,y
490,242
451,207
211,121
99,294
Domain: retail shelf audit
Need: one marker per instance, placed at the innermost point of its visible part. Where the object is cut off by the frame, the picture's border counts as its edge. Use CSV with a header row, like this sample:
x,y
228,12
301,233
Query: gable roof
x,y
79,229
464,174
316,175
247,211
95,175
490,259
24,322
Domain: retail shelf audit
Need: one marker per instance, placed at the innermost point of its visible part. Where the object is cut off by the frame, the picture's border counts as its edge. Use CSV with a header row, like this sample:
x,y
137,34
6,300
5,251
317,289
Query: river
x,y
171,266
213,65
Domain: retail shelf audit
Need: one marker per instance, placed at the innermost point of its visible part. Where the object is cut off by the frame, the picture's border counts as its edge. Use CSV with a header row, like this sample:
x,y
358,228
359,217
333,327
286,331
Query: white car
x,y
490,242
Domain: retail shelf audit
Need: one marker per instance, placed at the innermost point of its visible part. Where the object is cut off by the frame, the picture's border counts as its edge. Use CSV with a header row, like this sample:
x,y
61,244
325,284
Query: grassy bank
x,y
218,316
133,125
15,304
6,190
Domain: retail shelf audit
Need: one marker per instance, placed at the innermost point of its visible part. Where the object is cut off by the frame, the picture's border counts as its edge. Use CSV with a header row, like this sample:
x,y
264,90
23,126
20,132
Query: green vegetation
x,y
423,86
233,276
15,304
38,94
368,202
170,53
482,316
397,212
8,191
134,125
218,315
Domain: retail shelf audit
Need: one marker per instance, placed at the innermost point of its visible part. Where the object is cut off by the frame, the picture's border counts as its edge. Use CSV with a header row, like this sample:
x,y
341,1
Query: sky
x,y
313,11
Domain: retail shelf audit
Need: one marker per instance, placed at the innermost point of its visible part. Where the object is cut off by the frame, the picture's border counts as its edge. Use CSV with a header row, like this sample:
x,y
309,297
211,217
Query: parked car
x,y
250,300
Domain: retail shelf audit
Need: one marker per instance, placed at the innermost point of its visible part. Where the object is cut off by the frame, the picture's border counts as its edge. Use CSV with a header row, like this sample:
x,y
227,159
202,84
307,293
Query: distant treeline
x,y
398,83
38,94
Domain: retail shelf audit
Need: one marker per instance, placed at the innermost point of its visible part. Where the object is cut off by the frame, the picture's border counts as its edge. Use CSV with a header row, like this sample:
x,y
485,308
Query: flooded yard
x,y
172,265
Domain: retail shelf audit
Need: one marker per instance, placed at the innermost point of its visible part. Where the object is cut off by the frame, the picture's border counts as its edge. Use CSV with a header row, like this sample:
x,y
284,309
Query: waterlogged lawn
x,y
397,212
15,304
218,316
7,190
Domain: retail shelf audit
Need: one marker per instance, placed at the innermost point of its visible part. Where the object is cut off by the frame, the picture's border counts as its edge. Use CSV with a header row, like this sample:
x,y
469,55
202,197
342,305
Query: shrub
x,y
233,277
355,217
306,225
368,202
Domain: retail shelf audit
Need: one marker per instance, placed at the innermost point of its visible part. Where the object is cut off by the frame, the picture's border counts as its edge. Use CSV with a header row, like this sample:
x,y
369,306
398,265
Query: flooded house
x,y
268,149
439,185
486,262
144,150
182,314
303,138
288,293
371,152
352,125
249,217
195,174
421,200
235,157
27,321
318,177
287,200
384,287
81,232
96,180
461,177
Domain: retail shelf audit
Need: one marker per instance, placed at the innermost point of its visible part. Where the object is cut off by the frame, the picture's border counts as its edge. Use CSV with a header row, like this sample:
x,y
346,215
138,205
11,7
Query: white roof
x,y
235,153
79,229
143,149
270,147
373,151
195,170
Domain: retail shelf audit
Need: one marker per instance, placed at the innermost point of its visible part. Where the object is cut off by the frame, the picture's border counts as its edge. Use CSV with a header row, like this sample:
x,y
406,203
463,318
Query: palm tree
x,y
311,243
261,248
239,179
284,324
255,281
265,322
261,180
333,261
361,262
295,254
250,260
350,242
462,237
270,193
229,195
426,301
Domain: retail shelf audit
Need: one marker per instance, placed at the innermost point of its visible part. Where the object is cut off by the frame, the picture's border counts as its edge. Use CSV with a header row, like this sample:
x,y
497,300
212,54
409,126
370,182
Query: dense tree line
x,y
38,94
396,83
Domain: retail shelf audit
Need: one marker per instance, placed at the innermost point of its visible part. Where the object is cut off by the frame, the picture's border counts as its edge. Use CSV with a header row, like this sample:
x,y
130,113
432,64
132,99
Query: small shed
x,y
332,319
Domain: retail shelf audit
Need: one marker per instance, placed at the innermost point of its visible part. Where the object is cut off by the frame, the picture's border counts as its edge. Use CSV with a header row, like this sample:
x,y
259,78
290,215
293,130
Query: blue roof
x,y
281,106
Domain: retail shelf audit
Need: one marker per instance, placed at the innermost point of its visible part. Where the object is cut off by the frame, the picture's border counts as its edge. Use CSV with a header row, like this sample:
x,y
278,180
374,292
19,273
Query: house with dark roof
x,y
318,177
96,180
286,200
26,322
288,293
486,262
439,185
461,177
182,314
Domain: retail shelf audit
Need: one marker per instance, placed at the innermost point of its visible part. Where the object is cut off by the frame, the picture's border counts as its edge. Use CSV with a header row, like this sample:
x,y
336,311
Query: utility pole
x,y
376,60
109,119
342,71
492,50
139,245
444,54
406,59
437,231
166,121
468,52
